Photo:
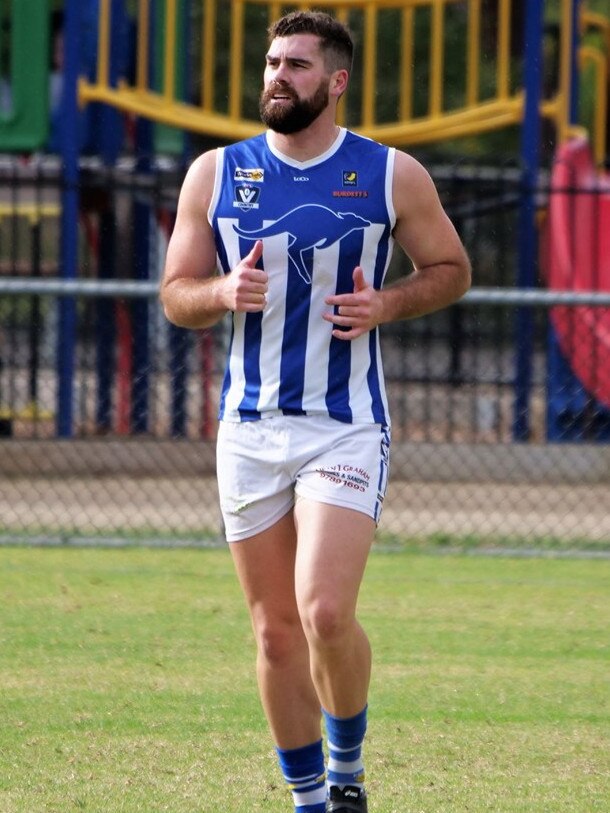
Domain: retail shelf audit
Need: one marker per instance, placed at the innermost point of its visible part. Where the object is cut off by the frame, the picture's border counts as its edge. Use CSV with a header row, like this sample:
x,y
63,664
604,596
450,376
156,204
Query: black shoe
x,y
349,799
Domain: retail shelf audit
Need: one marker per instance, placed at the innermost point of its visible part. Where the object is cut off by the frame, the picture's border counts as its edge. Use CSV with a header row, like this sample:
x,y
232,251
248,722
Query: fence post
x,y
528,243
69,149
574,72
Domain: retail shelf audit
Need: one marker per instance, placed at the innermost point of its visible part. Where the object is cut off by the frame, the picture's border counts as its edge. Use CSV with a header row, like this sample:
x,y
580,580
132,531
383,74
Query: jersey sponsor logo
x,y
246,197
300,178
350,193
254,175
309,226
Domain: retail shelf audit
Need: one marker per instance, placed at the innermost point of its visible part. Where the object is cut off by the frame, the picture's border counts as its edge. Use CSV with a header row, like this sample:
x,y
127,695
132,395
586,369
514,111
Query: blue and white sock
x,y
303,770
345,737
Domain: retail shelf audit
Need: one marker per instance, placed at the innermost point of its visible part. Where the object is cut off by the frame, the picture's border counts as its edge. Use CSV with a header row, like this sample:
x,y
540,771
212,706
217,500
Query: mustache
x,y
274,87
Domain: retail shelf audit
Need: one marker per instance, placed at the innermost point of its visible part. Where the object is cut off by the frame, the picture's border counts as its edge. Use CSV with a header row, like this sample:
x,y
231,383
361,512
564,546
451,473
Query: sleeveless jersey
x,y
318,220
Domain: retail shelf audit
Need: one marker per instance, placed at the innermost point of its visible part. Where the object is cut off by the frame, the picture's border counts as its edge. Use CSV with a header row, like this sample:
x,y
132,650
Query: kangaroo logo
x,y
309,226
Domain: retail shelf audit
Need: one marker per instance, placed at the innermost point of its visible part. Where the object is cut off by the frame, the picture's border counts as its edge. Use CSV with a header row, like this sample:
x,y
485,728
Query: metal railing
x,y
137,289
455,352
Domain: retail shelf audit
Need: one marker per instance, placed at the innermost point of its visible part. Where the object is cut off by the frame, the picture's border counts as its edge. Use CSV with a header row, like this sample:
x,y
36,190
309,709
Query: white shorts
x,y
262,465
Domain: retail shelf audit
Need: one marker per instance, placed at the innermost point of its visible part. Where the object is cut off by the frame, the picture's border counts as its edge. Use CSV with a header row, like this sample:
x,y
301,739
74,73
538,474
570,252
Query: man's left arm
x,y
441,269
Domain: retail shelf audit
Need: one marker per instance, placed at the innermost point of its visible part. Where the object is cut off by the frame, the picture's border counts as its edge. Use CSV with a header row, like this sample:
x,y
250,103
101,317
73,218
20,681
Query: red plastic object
x,y
578,259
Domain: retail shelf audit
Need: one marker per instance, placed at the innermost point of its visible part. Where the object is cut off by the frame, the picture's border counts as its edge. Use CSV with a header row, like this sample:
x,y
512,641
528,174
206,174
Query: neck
x,y
306,144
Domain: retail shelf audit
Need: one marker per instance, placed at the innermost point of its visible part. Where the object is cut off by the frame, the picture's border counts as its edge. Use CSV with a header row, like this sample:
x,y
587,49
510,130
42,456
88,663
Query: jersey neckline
x,y
319,159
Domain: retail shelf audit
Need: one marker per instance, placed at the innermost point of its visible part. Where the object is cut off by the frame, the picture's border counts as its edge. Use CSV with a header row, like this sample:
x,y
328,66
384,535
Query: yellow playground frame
x,y
503,107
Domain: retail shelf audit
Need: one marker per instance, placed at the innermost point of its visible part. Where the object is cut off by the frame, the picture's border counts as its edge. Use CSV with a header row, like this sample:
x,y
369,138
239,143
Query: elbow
x,y
170,315
464,278
175,316
467,278
166,305
170,308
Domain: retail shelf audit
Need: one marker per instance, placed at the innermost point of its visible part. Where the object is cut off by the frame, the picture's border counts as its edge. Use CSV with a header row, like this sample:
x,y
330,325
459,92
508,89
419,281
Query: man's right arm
x,y
192,295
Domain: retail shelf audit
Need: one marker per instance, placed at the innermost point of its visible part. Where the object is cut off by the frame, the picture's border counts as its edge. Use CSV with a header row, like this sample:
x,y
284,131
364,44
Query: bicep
x,y
191,252
423,228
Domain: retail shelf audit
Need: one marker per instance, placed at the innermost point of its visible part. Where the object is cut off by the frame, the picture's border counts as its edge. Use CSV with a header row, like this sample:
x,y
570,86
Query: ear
x,y
338,83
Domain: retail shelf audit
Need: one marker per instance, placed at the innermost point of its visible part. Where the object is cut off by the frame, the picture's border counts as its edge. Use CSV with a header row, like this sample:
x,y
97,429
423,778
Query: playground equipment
x,y
578,259
24,117
195,65
228,39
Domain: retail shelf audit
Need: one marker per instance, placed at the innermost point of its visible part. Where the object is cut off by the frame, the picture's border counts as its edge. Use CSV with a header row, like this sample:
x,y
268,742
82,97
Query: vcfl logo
x,y
246,197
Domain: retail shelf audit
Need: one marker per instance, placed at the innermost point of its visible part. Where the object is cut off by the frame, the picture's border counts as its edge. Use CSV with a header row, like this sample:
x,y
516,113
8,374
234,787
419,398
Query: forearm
x,y
425,290
201,301
193,303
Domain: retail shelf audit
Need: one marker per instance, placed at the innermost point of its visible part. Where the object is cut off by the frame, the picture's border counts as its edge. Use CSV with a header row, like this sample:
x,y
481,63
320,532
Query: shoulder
x,y
412,184
202,171
198,185
408,169
203,167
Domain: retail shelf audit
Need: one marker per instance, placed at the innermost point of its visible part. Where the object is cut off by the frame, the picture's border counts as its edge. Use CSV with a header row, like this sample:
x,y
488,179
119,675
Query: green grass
x,y
127,684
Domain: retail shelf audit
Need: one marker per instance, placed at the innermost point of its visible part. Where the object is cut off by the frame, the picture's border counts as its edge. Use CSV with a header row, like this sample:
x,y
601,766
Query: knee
x,y
325,622
279,642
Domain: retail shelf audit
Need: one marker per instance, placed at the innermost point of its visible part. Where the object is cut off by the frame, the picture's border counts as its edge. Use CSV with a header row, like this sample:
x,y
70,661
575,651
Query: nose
x,y
278,73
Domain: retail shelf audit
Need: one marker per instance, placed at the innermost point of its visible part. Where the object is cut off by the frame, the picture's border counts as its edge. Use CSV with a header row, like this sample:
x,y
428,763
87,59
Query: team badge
x,y
246,197
350,177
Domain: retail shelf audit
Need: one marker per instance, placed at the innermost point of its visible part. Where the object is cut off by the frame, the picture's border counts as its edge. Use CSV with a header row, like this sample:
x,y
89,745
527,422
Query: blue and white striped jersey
x,y
318,220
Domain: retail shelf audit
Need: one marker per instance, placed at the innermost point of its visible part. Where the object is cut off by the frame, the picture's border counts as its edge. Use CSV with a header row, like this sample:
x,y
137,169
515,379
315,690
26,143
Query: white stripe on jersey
x,y
275,261
319,332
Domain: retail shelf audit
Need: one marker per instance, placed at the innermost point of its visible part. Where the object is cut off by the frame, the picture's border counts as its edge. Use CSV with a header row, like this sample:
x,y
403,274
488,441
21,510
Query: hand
x,y
246,286
360,311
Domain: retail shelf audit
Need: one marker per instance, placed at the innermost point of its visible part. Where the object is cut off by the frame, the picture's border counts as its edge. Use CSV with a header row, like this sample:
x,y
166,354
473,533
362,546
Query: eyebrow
x,y
301,59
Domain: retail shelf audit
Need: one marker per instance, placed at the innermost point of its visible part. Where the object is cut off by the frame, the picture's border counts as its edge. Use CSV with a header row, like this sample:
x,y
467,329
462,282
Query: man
x,y
301,221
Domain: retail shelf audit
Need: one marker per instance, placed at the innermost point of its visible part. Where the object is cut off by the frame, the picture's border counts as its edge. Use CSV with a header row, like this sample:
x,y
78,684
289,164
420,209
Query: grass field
x,y
127,684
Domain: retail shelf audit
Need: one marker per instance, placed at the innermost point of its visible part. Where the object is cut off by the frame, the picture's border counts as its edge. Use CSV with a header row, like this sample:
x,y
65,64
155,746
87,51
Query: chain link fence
x,y
108,413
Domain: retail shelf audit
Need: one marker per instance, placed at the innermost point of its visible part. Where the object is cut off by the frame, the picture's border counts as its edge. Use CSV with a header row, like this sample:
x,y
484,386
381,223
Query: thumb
x,y
359,281
255,254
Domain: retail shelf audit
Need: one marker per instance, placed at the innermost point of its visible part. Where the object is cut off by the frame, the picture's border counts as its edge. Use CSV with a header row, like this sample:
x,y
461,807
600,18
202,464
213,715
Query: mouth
x,y
280,95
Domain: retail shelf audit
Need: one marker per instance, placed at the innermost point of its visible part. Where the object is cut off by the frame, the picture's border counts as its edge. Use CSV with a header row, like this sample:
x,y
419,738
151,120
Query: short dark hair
x,y
335,38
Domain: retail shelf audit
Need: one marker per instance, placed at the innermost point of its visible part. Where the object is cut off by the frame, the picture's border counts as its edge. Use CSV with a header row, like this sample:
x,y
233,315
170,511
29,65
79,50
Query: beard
x,y
295,114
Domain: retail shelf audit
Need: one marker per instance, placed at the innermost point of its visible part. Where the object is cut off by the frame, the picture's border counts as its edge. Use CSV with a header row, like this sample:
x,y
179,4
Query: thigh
x,y
265,565
333,544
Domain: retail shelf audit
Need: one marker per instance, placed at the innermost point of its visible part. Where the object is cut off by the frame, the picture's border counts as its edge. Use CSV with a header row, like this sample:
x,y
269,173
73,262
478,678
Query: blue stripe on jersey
x,y
373,379
373,375
252,345
226,381
294,341
337,396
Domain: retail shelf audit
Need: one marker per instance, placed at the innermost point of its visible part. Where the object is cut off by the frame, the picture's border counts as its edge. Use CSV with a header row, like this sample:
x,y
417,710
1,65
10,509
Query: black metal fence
x,y
137,459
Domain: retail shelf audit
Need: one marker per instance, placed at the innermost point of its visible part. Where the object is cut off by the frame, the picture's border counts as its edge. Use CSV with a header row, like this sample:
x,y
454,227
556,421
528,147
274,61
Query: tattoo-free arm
x,y
192,294
441,269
